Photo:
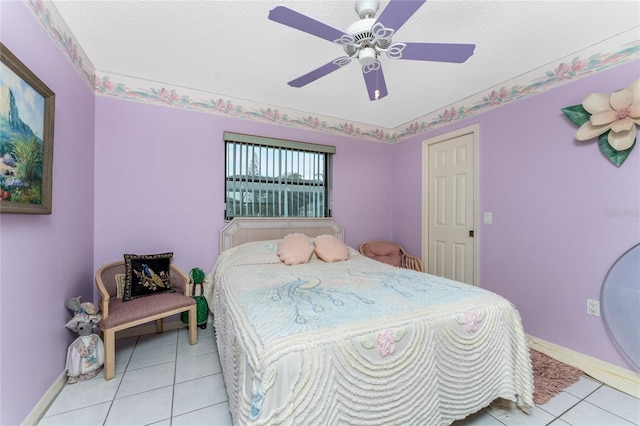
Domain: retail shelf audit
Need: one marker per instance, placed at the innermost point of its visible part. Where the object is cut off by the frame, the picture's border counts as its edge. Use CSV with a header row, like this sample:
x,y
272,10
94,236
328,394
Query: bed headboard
x,y
247,229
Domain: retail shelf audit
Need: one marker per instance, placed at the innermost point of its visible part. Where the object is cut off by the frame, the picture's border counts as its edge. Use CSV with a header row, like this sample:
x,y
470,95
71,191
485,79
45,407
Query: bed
x,y
355,341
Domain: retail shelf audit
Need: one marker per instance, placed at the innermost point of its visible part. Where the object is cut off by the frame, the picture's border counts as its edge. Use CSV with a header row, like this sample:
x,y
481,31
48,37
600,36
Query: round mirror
x,y
620,300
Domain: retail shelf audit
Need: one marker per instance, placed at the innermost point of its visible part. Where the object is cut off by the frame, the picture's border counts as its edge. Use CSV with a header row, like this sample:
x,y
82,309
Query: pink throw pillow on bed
x,y
330,248
295,249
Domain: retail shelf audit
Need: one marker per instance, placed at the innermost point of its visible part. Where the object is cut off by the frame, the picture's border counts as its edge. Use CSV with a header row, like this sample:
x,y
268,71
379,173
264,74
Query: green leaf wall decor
x,y
616,157
576,114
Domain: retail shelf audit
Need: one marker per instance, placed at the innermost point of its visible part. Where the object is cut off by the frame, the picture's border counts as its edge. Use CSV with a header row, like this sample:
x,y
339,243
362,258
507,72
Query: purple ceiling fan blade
x,y
398,12
374,79
438,52
320,72
297,20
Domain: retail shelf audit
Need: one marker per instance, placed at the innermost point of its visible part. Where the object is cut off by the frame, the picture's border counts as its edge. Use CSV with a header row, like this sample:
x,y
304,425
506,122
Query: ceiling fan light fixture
x,y
367,56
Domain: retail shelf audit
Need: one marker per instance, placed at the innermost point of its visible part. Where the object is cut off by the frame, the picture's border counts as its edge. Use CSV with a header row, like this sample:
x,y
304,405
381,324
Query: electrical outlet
x,y
593,307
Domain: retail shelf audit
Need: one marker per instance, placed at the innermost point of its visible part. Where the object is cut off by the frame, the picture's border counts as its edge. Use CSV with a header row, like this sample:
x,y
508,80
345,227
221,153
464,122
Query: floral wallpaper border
x,y
612,52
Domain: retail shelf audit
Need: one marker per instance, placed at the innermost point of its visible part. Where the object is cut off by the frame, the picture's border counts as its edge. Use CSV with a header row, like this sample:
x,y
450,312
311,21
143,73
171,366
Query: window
x,y
275,177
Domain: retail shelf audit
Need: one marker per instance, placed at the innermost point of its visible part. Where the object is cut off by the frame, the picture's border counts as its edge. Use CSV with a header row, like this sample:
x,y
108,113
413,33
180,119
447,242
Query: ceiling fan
x,y
367,39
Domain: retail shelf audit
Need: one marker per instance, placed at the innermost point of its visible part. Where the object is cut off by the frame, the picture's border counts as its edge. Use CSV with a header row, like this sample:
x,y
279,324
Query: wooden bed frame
x,y
248,229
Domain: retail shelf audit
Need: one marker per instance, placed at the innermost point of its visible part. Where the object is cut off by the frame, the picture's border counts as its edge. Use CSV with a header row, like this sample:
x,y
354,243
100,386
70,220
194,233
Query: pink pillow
x,y
295,249
330,248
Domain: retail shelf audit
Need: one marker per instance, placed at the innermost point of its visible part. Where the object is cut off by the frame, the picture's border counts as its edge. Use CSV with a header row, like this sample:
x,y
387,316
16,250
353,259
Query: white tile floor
x,y
585,403
162,380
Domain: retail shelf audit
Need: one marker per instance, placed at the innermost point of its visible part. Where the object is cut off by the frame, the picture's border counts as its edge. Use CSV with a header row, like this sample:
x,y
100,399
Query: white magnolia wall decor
x,y
612,118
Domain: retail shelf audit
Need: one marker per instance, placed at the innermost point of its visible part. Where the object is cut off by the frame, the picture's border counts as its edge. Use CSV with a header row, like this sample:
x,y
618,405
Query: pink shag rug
x,y
550,377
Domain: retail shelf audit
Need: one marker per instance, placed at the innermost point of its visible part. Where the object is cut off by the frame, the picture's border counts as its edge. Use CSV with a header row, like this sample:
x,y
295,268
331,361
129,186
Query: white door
x,y
451,206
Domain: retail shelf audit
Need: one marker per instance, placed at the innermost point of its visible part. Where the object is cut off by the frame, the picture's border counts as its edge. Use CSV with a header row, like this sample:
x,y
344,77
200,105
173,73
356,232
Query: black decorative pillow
x,y
146,275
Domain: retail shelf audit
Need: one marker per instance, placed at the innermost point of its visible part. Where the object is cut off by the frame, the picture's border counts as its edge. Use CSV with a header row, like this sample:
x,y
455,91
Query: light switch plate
x,y
488,218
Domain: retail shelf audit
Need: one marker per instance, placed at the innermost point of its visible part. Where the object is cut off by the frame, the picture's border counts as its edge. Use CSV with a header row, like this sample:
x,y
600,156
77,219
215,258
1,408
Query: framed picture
x,y
26,138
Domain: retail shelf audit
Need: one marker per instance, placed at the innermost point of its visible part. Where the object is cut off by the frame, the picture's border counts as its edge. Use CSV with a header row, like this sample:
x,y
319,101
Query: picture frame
x,y
27,112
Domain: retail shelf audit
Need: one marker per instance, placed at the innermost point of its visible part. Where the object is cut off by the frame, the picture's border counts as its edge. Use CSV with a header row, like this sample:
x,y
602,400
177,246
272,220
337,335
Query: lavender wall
x,y
159,181
562,213
158,185
45,259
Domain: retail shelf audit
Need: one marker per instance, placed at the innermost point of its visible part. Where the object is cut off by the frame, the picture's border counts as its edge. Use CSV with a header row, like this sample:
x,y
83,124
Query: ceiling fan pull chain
x,y
376,93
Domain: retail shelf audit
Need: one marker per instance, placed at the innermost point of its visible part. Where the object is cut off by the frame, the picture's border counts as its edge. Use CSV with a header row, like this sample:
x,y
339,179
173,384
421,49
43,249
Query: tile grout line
x,y
605,409
121,379
175,374
558,417
584,399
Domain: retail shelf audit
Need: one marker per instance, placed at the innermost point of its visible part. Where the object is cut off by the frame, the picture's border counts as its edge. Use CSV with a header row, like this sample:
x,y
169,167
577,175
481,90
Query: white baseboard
x,y
624,380
45,402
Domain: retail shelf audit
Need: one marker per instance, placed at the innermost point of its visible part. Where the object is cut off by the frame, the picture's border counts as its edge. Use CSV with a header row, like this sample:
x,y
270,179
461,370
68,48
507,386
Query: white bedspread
x,y
360,342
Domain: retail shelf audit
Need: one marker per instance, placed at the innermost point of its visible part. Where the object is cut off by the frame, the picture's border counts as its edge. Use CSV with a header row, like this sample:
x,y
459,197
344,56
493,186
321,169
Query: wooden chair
x,y
392,254
118,315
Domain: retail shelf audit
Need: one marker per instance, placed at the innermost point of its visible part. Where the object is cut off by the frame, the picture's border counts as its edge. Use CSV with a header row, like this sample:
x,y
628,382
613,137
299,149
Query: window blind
x,y
275,177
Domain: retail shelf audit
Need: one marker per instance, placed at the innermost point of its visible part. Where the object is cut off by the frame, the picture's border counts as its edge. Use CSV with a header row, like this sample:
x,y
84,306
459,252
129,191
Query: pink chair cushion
x,y
383,251
124,312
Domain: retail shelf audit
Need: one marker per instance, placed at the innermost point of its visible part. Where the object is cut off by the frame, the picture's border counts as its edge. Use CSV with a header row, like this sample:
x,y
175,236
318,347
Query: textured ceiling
x,y
230,48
